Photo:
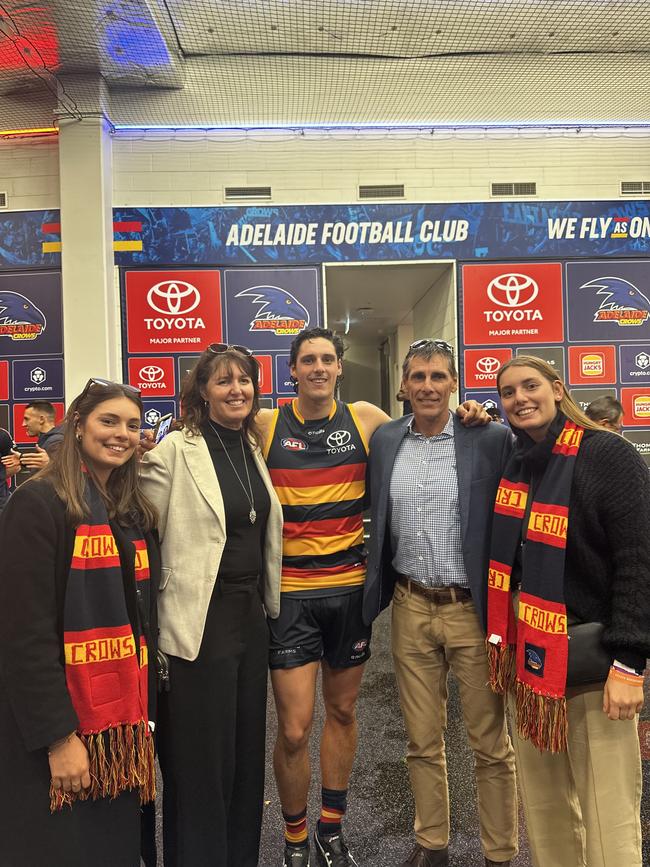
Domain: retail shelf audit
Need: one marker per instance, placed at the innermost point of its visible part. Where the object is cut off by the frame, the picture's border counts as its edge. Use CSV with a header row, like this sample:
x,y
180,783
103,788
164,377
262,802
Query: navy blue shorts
x,y
314,628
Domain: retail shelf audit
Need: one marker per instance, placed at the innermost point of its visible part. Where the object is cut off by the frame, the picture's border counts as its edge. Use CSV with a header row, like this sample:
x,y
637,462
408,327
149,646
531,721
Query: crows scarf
x,y
530,655
105,662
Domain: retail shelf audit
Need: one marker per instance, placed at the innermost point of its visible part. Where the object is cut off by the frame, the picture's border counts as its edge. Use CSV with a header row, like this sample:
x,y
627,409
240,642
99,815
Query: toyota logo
x,y
339,438
173,297
151,373
487,364
512,290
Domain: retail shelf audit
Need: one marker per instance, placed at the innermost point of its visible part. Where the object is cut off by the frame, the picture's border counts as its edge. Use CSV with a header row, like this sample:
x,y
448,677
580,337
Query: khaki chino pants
x,y
427,641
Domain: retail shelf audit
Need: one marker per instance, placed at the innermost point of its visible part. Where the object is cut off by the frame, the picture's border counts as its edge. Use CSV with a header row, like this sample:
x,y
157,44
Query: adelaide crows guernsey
x,y
318,470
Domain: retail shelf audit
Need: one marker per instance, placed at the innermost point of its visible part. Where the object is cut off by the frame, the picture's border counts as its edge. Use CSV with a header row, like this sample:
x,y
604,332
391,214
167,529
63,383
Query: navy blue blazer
x,y
481,456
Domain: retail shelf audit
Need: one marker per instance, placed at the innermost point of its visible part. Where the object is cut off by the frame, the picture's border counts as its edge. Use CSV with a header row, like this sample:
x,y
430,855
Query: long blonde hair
x,y
566,404
124,499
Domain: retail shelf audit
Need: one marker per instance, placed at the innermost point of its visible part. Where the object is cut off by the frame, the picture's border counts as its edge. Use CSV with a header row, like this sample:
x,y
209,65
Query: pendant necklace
x,y
252,515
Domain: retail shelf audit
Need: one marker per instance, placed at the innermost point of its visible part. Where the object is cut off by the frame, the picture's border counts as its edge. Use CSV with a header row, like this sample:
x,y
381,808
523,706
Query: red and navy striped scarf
x,y
106,662
529,655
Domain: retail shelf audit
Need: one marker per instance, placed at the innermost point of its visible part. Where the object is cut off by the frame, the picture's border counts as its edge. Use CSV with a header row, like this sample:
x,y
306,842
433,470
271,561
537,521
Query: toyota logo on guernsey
x,y
173,299
339,441
512,291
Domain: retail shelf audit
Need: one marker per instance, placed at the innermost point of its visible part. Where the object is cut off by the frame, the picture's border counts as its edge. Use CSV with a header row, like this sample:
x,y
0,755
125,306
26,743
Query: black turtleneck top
x,y
243,553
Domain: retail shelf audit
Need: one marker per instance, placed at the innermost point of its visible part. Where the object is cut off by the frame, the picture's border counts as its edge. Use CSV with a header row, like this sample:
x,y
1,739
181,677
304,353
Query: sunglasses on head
x,y
220,348
430,341
107,383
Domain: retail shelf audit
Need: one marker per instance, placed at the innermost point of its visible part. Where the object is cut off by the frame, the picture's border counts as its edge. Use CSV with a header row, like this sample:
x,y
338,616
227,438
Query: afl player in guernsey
x,y
316,449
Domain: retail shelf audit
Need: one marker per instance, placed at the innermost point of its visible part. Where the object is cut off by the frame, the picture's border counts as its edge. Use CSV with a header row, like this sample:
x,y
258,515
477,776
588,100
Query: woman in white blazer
x,y
220,530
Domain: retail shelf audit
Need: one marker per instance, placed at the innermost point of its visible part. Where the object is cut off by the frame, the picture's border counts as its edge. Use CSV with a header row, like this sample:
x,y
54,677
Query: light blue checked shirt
x,y
424,514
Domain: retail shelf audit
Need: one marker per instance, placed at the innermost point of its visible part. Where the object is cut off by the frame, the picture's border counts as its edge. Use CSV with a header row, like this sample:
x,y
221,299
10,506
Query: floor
x,y
378,825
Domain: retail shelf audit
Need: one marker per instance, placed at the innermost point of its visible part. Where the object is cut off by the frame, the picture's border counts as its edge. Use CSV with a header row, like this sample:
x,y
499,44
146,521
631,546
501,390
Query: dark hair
x,y
426,350
124,500
566,404
314,334
43,406
605,408
195,411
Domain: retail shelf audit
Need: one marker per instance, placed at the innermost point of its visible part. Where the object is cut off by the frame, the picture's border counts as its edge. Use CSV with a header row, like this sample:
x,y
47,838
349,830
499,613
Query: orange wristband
x,y
631,679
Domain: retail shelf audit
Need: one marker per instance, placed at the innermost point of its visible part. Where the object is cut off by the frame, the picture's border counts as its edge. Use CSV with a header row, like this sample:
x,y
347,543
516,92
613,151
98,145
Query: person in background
x,y
607,412
38,421
8,465
433,483
78,576
221,535
570,542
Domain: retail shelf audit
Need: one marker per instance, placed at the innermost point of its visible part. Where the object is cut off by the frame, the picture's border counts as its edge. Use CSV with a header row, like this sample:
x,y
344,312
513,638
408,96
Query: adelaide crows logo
x,y
278,310
19,318
622,302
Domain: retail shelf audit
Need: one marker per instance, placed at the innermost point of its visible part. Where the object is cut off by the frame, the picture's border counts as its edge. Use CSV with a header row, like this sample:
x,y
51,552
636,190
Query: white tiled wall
x,y
29,174
159,170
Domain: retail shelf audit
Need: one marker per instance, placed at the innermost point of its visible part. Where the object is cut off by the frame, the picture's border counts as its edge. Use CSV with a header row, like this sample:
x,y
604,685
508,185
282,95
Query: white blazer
x,y
179,478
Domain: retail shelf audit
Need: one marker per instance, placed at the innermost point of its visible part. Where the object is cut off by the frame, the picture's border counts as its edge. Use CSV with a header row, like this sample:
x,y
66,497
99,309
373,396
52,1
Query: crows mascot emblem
x,y
19,318
622,301
278,310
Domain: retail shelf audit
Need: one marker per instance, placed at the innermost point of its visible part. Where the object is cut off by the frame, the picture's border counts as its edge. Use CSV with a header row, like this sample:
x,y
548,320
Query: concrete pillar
x,y
91,314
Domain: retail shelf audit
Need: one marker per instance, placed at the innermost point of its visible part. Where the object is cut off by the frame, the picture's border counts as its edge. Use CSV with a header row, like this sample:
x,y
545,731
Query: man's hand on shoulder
x,y
472,414
370,417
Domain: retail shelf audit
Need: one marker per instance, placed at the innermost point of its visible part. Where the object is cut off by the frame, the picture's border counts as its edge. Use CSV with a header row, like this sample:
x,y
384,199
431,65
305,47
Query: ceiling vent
x,y
514,189
3,200
635,188
381,191
247,193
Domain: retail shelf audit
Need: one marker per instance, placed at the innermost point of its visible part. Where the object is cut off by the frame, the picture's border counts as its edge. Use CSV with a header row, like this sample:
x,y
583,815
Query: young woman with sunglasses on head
x,y
571,542
220,528
78,574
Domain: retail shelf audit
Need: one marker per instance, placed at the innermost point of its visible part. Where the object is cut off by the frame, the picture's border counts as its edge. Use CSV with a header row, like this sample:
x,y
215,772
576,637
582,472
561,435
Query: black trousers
x,y
211,736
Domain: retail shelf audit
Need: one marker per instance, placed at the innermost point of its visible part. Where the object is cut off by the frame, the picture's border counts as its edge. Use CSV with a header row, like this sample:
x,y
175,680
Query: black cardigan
x,y
36,544
607,569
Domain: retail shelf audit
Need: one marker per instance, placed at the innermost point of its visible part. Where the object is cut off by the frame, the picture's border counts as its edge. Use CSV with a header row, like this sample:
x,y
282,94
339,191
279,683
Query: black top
x,y
607,567
51,439
243,552
6,445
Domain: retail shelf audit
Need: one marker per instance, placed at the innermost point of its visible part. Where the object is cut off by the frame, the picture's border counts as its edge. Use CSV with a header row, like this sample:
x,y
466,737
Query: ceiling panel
x,y
299,62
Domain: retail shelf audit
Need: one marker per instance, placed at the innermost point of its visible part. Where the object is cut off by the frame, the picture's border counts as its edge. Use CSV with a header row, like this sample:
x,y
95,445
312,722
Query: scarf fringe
x,y
501,664
541,719
130,764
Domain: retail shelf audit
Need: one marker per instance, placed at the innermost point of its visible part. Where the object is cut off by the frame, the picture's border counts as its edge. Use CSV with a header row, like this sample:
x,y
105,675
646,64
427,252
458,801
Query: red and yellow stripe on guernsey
x,y
95,548
322,579
141,560
511,498
548,524
499,576
317,538
542,614
568,442
107,644
307,487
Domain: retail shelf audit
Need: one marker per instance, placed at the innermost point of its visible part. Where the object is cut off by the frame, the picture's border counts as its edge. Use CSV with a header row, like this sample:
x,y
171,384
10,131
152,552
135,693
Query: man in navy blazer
x,y
433,483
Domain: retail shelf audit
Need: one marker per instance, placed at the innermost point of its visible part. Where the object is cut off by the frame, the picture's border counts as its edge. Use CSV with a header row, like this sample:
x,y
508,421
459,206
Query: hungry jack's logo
x,y
20,319
623,302
279,311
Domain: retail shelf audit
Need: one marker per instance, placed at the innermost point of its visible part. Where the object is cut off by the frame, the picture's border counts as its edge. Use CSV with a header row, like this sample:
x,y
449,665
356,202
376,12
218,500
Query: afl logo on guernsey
x,y
293,444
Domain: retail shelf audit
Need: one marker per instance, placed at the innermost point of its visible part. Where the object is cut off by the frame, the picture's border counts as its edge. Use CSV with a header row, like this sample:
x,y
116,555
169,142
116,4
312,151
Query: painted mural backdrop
x,y
31,346
171,316
589,319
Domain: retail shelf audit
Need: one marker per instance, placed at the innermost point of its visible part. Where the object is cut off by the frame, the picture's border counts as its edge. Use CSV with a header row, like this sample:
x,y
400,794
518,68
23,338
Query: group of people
x,y
183,571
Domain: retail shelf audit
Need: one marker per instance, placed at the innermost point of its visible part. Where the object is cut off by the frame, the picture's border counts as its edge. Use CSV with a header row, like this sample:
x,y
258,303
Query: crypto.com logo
x,y
512,290
151,373
173,297
488,364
